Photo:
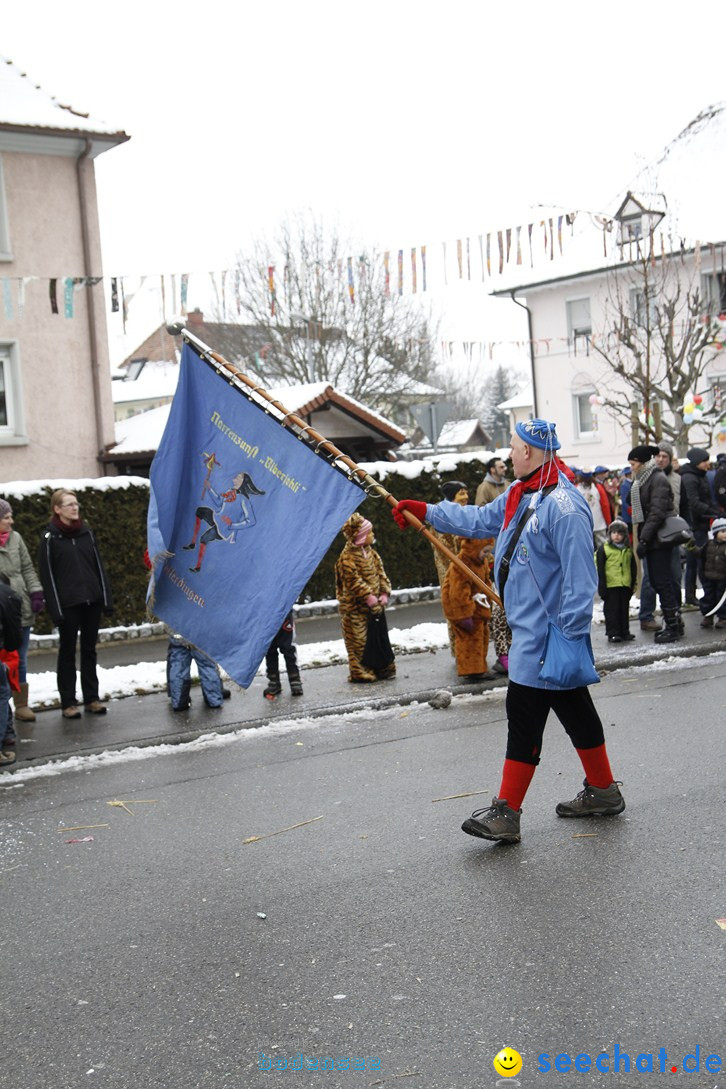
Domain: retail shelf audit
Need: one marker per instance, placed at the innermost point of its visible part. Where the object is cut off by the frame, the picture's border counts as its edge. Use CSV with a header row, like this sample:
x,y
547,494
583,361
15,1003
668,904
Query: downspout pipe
x,y
89,273
514,299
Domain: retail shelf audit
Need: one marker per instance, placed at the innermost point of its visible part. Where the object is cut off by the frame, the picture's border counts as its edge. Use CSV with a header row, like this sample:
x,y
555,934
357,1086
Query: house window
x,y
585,419
638,307
579,325
5,252
12,423
713,289
631,230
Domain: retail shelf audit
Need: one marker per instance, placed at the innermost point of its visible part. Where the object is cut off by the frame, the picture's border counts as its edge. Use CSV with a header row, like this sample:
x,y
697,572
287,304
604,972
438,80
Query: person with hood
x,y
17,566
651,500
362,588
701,510
469,618
617,574
544,570
77,592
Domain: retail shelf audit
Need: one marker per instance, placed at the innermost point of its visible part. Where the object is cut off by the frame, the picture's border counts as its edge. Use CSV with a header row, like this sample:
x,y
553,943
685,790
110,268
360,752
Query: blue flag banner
x,y
240,515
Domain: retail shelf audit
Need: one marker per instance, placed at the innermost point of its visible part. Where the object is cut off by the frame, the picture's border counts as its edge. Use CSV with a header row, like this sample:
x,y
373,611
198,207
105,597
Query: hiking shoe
x,y
273,689
501,665
497,822
95,707
593,802
721,622
650,625
71,712
707,622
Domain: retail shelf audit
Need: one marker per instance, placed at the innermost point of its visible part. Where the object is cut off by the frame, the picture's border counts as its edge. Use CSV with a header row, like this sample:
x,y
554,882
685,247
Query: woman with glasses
x,y
77,591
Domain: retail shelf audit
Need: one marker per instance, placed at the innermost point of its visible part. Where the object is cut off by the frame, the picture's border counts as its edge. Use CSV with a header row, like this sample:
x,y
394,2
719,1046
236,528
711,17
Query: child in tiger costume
x,y
361,587
470,620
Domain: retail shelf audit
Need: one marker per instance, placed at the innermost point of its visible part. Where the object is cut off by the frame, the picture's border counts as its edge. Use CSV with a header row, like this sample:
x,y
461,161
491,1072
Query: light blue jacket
x,y
555,549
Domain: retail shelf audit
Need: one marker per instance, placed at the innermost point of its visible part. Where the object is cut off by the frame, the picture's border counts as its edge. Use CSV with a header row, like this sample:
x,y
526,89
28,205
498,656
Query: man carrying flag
x,y
544,561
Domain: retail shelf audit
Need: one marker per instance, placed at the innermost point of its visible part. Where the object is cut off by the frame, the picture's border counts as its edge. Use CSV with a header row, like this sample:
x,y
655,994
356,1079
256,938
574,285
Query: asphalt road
x,y
169,953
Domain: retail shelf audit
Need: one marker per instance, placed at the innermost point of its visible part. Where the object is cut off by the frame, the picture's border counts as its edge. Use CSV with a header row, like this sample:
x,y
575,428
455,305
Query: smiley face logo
x,y
508,1062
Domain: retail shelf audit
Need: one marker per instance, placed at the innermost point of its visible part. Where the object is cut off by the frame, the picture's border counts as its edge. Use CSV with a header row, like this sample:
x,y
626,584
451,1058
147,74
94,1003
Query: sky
x,y
403,124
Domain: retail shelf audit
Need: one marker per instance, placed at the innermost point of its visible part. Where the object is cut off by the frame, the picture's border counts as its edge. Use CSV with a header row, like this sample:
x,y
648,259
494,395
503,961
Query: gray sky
x,y
406,124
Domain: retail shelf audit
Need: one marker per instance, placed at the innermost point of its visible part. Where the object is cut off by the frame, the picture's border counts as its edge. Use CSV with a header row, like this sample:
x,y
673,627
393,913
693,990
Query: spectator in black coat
x,y
701,511
652,502
76,591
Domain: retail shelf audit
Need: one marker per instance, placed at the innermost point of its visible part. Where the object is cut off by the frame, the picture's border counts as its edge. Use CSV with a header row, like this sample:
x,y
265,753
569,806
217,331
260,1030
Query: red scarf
x,y
67,530
542,477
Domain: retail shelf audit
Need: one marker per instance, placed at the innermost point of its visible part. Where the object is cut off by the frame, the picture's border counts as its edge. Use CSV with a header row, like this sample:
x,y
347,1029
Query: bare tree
x,y
323,315
660,334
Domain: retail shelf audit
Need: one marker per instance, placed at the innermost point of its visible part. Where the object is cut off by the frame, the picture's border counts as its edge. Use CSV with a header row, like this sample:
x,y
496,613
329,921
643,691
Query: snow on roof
x,y
458,432
24,102
141,433
155,380
523,399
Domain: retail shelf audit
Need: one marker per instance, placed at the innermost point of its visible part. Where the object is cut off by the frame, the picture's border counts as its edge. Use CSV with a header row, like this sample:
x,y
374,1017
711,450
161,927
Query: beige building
x,y
56,410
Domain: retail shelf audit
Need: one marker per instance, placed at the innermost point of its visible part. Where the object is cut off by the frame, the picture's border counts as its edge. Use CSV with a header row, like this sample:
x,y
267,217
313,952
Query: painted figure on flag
x,y
225,513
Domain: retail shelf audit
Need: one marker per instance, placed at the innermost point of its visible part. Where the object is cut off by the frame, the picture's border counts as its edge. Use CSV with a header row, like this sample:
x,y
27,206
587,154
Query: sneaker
x,y
593,802
650,625
95,707
7,757
71,712
502,664
497,822
707,622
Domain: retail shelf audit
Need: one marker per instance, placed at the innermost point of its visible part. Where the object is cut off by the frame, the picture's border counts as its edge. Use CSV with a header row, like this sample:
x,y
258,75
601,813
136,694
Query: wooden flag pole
x,y
306,433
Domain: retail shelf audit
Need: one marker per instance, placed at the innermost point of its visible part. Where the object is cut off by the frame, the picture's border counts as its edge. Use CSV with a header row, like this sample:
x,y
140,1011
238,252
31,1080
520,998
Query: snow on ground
x,y
144,677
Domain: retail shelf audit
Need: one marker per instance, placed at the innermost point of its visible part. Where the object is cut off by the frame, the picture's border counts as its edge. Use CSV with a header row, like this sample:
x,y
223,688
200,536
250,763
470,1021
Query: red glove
x,y
371,601
383,599
467,624
413,506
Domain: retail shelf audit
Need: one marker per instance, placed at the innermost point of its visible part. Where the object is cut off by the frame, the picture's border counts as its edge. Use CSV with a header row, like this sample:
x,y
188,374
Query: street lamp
x,y
309,343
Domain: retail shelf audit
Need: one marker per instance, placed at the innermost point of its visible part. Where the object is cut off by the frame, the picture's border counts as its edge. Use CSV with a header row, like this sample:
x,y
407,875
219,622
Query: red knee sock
x,y
516,777
597,766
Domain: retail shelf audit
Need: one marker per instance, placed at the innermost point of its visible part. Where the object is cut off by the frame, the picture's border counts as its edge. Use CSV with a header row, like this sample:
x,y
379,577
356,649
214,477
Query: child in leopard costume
x,y
361,587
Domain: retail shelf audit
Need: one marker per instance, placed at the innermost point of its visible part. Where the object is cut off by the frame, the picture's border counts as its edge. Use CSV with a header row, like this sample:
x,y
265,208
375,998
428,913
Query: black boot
x,y
681,625
671,632
293,676
274,688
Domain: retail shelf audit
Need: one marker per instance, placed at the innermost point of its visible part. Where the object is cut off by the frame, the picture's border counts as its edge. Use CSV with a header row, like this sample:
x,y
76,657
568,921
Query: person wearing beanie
x,y
77,592
455,491
17,566
664,461
545,574
714,576
651,501
362,588
701,509
617,574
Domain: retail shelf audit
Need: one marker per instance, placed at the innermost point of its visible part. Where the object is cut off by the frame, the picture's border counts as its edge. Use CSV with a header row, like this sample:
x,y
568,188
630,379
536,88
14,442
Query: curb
x,y
605,666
